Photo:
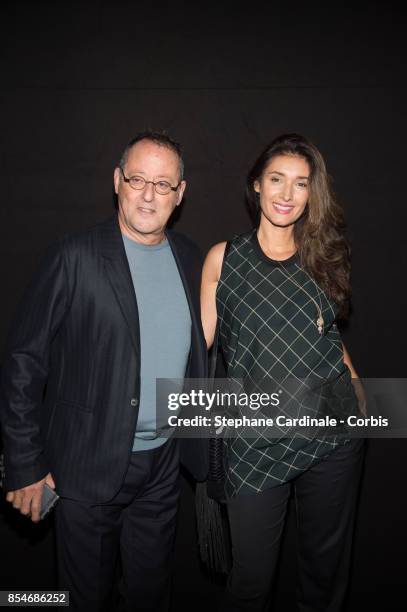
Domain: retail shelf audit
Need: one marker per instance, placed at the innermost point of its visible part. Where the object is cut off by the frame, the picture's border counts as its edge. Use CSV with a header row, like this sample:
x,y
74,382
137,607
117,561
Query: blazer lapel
x,y
190,275
118,273
182,266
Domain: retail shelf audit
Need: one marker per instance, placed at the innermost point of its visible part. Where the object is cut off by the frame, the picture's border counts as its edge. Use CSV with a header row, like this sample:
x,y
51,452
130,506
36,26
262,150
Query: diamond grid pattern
x,y
269,338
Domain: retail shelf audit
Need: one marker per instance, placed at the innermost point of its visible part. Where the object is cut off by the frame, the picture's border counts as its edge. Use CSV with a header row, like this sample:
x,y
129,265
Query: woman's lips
x,y
283,209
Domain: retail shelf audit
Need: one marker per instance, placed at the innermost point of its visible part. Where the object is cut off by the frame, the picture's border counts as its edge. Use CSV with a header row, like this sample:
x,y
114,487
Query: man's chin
x,y
144,233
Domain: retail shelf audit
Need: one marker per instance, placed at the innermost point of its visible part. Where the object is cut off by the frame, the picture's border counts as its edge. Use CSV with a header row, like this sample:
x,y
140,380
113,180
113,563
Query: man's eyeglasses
x,y
138,183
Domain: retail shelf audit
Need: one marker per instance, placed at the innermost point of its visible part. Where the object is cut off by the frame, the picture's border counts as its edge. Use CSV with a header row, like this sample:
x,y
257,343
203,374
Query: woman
x,y
276,294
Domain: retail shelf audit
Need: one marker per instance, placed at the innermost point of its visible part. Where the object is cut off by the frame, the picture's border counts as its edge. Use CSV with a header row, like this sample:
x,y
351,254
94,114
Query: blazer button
x,y
134,402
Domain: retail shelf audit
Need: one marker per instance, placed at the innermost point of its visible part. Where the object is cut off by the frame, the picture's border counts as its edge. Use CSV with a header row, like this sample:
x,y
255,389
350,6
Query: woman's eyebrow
x,y
282,174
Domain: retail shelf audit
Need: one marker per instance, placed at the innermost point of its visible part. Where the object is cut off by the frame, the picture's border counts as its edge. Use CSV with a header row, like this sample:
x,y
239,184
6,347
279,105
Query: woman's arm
x,y
210,278
347,360
357,385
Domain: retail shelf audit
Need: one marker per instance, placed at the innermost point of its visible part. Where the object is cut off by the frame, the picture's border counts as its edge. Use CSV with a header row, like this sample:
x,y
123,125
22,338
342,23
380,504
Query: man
x,y
110,310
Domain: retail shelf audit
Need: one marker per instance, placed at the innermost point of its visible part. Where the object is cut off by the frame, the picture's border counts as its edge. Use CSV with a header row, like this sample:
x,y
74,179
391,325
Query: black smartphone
x,y
48,500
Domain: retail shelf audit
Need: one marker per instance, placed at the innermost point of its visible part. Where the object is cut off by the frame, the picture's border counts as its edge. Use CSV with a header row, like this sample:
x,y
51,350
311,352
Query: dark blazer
x,y
71,378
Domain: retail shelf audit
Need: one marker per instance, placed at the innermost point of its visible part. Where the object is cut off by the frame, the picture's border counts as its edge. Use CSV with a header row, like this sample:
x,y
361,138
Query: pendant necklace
x,y
320,319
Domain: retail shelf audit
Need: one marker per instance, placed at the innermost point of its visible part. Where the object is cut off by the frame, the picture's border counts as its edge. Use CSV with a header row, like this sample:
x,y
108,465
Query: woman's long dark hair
x,y
320,233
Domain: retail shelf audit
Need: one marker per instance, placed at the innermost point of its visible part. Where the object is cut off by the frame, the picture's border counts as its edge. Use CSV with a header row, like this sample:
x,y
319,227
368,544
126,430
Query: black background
x,y
79,79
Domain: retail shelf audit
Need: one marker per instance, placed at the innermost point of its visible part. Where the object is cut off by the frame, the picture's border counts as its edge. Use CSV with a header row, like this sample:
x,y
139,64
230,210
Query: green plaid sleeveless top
x,y
270,340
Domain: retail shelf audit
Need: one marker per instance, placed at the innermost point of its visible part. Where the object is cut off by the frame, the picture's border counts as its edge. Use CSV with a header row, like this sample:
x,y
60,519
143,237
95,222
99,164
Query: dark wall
x,y
79,79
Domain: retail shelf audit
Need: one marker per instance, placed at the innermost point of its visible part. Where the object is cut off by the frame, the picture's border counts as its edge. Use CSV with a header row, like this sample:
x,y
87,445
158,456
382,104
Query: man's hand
x,y
28,499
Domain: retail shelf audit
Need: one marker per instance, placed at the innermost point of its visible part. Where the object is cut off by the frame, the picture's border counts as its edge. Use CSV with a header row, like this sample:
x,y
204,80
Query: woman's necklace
x,y
320,319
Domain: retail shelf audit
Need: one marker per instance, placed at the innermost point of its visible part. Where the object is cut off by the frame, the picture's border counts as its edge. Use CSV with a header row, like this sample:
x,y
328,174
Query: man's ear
x,y
181,190
116,179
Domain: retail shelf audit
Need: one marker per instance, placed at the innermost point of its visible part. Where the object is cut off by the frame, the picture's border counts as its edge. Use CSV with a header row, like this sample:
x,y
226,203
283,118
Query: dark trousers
x,y
136,527
325,498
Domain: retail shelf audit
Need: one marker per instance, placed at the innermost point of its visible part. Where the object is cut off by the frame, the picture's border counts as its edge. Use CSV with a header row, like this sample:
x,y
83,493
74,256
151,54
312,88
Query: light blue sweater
x,y
165,329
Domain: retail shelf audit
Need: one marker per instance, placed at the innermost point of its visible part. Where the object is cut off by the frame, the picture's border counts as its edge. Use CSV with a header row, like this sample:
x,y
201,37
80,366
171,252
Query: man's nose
x,y
148,192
